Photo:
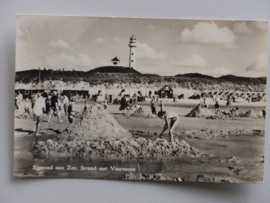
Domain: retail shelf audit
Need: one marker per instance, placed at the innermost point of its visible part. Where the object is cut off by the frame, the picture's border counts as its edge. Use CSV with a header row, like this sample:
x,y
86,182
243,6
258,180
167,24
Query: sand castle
x,y
95,132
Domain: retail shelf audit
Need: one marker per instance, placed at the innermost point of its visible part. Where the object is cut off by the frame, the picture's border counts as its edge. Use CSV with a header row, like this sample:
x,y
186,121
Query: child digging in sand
x,y
169,116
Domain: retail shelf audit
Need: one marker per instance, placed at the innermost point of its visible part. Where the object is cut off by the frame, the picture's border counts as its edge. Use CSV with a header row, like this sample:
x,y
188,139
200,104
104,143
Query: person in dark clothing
x,y
54,107
48,106
123,103
70,113
217,107
263,112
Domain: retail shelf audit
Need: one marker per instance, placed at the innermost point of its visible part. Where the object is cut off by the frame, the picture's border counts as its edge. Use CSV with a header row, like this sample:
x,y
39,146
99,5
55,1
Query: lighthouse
x,y
132,56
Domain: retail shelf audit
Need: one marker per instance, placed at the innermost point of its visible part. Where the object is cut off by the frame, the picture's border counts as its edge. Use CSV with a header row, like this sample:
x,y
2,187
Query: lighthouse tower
x,y
132,56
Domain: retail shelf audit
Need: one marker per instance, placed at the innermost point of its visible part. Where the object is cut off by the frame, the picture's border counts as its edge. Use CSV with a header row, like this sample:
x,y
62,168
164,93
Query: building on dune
x,y
165,92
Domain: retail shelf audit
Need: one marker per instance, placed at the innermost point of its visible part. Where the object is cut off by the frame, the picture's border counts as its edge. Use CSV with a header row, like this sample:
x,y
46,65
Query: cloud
x,y
221,71
262,25
59,44
216,71
99,40
241,27
259,64
144,51
68,61
247,27
209,33
193,61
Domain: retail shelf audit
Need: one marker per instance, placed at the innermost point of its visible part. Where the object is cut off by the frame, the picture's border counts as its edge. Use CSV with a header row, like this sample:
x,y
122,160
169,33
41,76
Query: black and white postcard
x,y
140,99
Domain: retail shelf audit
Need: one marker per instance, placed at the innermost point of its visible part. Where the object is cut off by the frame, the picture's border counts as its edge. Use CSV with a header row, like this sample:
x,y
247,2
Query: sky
x,y
164,46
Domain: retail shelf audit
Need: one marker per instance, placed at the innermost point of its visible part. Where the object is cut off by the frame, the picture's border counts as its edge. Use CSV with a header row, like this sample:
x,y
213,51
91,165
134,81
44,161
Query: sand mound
x,y
97,133
95,122
142,113
249,114
221,116
199,112
229,116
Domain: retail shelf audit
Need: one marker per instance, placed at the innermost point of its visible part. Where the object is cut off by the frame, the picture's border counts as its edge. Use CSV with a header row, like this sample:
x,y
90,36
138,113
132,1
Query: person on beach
x,y
59,103
17,102
134,99
27,107
33,100
65,102
84,108
71,114
263,113
123,103
153,105
229,101
204,103
54,107
161,105
48,105
105,103
233,110
38,110
217,110
170,117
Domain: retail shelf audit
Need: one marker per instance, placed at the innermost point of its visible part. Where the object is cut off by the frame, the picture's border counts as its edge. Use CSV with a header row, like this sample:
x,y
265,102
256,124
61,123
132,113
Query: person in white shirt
x,y
38,110
65,102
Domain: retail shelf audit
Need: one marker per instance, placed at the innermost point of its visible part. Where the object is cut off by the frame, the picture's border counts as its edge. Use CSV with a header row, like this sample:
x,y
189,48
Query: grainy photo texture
x,y
140,99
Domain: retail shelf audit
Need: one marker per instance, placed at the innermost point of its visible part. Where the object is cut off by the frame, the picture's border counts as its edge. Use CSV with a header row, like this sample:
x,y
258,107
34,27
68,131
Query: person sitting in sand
x,y
233,110
38,110
169,116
